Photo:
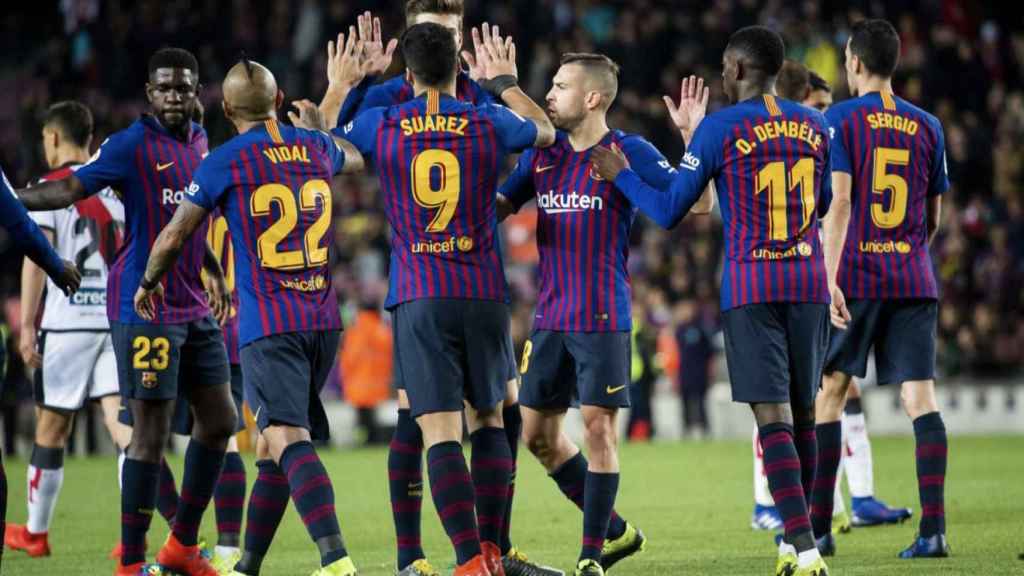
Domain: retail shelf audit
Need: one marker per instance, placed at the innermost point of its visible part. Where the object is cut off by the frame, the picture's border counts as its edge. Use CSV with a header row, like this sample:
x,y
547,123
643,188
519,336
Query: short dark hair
x,y
73,119
598,65
429,51
877,45
414,8
173,58
793,81
761,46
817,82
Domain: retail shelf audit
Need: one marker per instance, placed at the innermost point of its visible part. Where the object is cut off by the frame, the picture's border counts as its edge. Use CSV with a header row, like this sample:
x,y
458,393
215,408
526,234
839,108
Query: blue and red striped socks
x,y
571,478
229,500
492,473
830,450
167,497
313,495
202,469
405,484
598,502
513,430
138,496
805,438
453,493
932,451
782,466
267,503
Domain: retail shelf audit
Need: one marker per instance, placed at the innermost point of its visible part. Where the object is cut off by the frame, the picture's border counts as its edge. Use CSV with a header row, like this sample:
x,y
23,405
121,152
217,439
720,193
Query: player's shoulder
x,y
920,114
130,135
840,111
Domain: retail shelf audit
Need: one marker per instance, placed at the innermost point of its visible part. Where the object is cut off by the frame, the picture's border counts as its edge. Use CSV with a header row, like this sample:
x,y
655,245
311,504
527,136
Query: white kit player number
x,y
102,239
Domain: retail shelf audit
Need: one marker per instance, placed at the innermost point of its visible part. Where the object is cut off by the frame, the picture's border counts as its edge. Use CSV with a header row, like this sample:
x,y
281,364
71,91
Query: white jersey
x,y
89,233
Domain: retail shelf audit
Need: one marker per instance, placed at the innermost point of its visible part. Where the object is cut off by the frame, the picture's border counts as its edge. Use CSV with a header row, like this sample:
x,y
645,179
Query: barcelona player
x,y
438,159
579,350
889,162
769,159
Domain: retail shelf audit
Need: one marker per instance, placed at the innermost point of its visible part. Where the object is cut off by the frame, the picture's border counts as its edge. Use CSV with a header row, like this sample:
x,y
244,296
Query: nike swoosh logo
x,y
161,167
256,416
545,168
611,390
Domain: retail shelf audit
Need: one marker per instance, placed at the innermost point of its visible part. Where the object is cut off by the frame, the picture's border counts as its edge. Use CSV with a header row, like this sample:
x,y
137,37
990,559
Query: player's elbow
x,y
545,134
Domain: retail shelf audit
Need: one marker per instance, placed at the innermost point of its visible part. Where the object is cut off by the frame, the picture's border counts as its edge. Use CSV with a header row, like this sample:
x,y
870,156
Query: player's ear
x,y
279,99
408,76
226,108
149,92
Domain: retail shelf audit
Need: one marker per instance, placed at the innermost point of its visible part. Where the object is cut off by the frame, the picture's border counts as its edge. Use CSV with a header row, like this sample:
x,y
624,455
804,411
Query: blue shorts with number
x,y
562,369
284,374
776,351
450,350
901,332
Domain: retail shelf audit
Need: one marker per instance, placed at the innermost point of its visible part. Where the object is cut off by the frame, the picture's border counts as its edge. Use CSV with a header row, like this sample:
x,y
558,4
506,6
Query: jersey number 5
x,y
446,196
773,179
897,185
312,254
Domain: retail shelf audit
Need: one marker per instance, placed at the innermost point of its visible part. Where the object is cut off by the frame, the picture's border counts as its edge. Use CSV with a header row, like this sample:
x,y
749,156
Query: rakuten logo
x,y
553,203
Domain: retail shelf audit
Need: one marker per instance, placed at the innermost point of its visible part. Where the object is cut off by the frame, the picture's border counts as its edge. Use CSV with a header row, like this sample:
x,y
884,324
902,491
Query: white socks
x,y
859,471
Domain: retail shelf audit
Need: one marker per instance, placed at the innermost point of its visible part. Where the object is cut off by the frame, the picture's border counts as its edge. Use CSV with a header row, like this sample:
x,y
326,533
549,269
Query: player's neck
x,y
67,156
589,132
875,84
746,91
447,89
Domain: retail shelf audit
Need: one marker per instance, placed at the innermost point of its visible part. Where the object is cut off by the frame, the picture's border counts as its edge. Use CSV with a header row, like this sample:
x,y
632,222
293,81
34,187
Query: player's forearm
x,y
665,207
836,224
521,104
52,195
333,99
354,161
33,278
934,217
211,265
706,203
165,252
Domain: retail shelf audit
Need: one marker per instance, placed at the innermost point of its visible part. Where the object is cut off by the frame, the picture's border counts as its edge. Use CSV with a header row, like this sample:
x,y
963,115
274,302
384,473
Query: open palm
x,y
693,105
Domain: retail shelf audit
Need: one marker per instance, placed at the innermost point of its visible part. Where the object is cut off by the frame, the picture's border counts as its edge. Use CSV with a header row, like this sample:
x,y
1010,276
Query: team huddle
x,y
186,279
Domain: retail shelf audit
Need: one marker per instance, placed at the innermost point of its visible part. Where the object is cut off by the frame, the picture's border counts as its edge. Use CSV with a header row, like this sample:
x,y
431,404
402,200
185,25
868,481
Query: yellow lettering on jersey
x,y
775,129
295,153
419,124
880,120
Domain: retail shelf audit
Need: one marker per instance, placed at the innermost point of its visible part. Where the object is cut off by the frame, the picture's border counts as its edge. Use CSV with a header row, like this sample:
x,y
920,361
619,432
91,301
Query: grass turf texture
x,y
692,500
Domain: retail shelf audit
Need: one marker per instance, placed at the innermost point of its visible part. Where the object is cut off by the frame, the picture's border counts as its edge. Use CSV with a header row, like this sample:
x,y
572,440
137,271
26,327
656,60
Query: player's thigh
x,y
148,359
429,348
62,383
322,349
277,374
602,361
204,355
238,393
488,351
548,373
808,327
103,379
757,353
848,350
905,348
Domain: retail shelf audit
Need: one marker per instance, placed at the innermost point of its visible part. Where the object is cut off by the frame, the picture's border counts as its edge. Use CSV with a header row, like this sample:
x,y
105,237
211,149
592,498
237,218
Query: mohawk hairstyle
x,y
243,58
173,58
761,47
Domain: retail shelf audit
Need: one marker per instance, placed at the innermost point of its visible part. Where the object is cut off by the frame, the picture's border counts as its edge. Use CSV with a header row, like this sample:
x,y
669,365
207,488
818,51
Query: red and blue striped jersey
x,y
769,159
438,160
219,239
151,169
272,183
896,155
398,90
583,227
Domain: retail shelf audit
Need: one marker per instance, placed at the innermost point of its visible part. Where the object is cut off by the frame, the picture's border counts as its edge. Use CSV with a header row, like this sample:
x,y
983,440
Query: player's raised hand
x,y
693,106
838,311
345,62
69,279
608,162
495,56
376,56
309,117
147,300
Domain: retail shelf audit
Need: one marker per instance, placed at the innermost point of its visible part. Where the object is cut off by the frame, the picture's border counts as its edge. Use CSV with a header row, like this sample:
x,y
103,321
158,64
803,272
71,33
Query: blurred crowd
x,y
962,60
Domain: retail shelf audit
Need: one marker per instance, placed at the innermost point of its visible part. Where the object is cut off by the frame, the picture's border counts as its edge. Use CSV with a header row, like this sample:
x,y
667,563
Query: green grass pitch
x,y
693,500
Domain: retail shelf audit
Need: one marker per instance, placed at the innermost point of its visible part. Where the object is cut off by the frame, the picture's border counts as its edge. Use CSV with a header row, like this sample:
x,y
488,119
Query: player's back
x,y
773,184
894,152
272,184
438,160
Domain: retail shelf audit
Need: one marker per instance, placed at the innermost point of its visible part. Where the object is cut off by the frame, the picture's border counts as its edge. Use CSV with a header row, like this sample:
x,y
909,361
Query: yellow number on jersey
x,y
772,177
896,184
268,244
446,197
217,238
159,346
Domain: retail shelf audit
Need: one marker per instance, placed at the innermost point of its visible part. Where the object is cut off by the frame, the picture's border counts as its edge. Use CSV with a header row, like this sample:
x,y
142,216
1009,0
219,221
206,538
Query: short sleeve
x,y
334,152
208,185
362,131
108,167
840,156
938,178
514,132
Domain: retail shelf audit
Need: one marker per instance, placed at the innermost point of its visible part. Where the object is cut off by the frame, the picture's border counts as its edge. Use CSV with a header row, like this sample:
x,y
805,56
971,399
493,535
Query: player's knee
x,y
538,443
918,398
600,434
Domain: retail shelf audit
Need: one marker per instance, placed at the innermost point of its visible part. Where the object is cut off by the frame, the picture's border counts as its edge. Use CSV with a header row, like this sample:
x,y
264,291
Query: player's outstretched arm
x,y
496,59
53,194
835,225
934,216
28,236
311,117
165,252
346,68
692,108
